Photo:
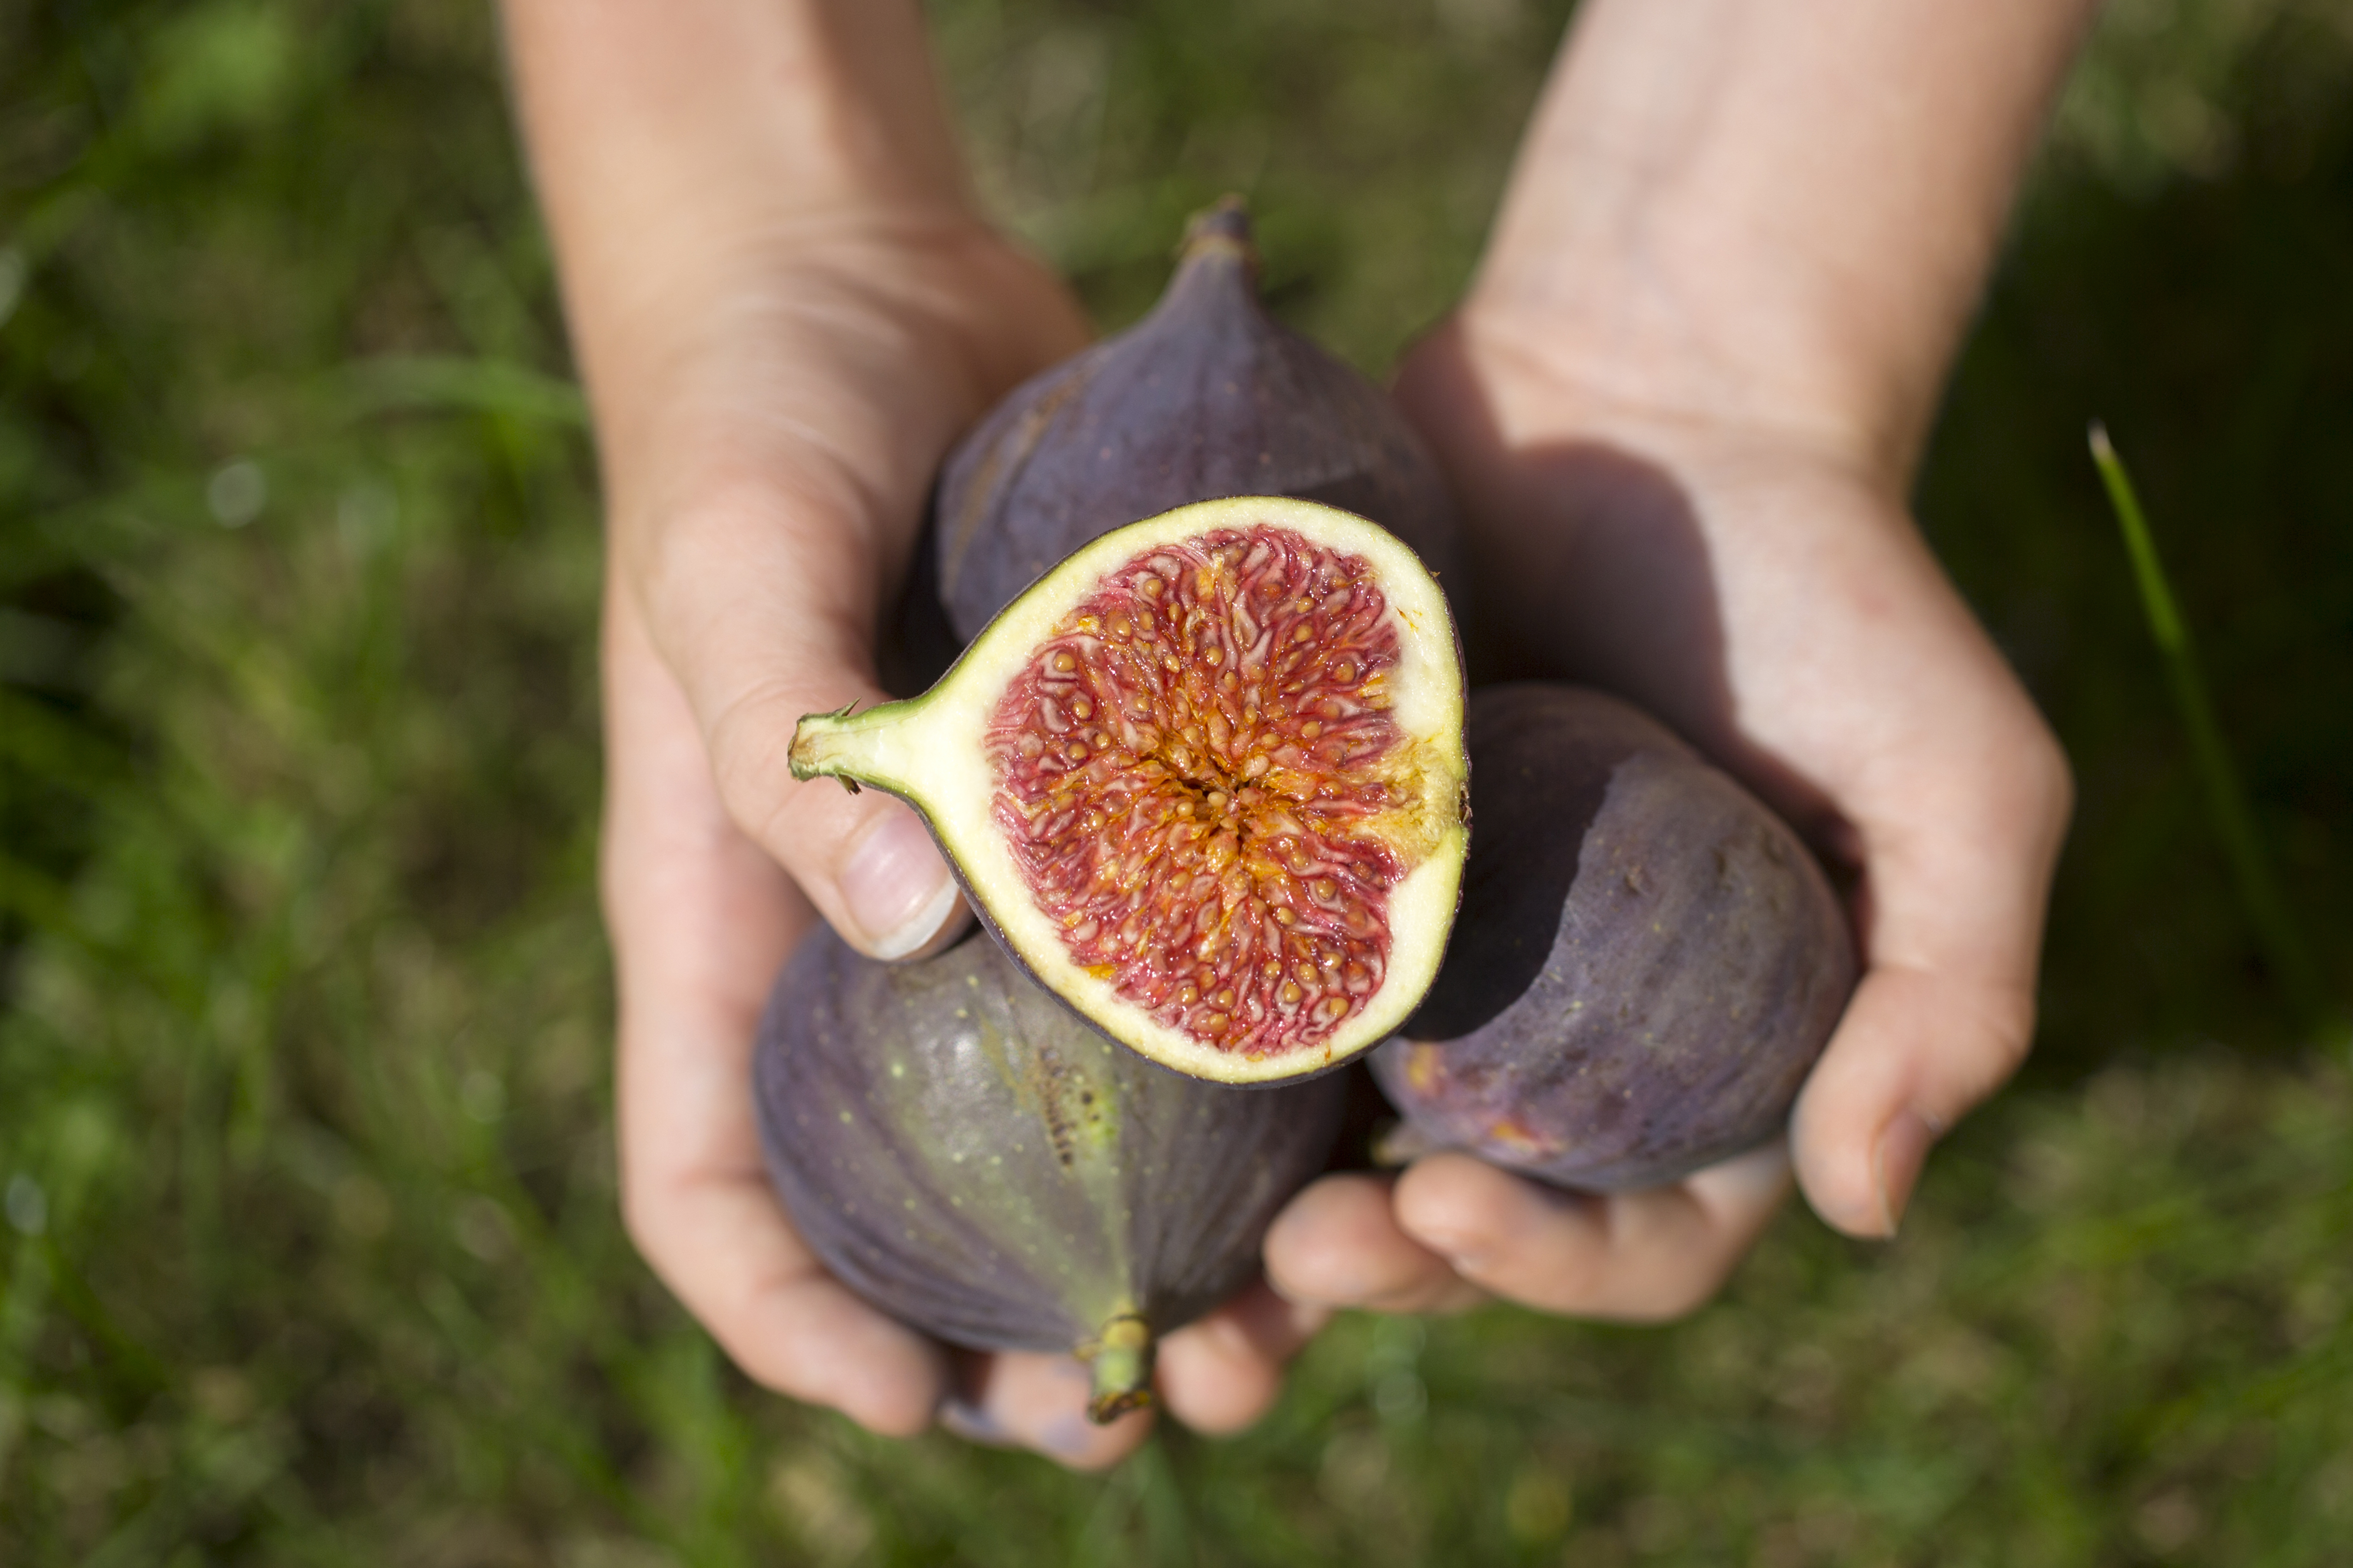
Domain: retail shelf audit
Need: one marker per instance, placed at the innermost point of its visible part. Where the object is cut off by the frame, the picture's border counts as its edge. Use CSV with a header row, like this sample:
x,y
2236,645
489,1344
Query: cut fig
x,y
983,1166
1205,780
1207,397
1647,963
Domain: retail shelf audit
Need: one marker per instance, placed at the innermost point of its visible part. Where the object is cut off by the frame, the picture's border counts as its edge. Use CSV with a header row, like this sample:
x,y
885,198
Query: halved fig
x,y
979,1164
1205,779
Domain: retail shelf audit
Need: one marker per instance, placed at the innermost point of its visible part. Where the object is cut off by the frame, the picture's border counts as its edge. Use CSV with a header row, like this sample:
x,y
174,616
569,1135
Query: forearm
x,y
670,140
1775,211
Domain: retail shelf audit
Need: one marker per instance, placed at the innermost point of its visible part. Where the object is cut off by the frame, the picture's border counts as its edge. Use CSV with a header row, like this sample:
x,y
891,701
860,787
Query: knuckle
x,y
2037,780
2001,1017
750,740
1678,1296
692,539
2011,1021
1575,1285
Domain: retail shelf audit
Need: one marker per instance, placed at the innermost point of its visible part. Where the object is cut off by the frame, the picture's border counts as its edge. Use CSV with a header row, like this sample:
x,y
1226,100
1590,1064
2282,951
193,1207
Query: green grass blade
x,y
2284,947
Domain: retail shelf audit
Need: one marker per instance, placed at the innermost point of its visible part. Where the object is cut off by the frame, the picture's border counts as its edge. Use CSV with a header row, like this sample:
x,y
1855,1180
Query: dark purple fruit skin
x,y
1646,965
973,1159
1208,396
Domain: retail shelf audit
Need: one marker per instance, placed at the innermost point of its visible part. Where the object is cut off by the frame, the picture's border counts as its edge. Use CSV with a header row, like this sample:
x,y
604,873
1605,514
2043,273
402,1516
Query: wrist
x,y
1773,213
1635,366
742,274
636,100
673,142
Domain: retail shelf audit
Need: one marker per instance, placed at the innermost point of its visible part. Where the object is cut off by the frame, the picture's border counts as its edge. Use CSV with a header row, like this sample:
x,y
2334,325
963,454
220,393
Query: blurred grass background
x,y
309,1253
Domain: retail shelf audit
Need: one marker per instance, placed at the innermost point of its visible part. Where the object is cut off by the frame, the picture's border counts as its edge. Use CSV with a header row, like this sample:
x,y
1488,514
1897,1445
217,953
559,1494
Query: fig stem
x,y
1121,1357
842,744
1220,230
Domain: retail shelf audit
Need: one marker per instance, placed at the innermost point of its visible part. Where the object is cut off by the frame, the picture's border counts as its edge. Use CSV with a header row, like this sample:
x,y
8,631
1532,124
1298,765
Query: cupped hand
x,y
768,440
1751,576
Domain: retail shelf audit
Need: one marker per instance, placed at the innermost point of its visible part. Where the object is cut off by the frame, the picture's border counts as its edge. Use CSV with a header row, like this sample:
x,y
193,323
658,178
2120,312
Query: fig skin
x,y
1646,963
977,1162
1208,396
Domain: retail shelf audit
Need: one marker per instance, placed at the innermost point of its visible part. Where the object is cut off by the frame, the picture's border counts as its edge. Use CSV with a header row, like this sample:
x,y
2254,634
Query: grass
x,y
2250,861
309,1253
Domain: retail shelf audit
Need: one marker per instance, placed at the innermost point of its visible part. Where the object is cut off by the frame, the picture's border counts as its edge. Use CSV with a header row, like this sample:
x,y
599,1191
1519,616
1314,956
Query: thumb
x,y
895,895
765,611
1953,901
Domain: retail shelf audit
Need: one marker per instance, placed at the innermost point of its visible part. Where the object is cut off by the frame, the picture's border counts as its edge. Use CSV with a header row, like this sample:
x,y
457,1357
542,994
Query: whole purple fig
x,y
1646,963
972,1158
1208,396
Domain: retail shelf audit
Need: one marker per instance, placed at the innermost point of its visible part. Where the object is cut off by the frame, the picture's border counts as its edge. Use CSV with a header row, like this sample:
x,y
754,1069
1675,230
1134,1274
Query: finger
x,y
1951,920
1914,1051
754,665
1222,1373
773,622
760,558
726,1252
700,922
764,506
1337,1244
1030,1400
1643,1256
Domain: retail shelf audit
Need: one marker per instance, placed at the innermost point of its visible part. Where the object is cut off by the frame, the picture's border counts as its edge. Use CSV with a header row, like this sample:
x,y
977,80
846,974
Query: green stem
x,y
1122,1359
2283,948
855,748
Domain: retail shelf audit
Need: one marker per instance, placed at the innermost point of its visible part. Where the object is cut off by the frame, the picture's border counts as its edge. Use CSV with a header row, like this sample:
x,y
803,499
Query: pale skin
x,y
1681,403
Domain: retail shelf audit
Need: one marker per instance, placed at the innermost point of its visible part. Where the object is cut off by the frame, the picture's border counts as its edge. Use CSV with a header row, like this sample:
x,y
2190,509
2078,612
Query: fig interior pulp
x,y
1205,780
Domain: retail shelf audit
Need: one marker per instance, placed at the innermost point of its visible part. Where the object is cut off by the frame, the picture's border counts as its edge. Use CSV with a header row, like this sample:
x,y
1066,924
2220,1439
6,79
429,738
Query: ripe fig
x,y
979,1164
1647,963
1205,779
1207,397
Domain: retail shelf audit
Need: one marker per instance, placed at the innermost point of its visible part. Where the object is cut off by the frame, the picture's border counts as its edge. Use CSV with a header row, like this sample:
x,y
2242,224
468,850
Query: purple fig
x,y
972,1158
1646,963
1206,397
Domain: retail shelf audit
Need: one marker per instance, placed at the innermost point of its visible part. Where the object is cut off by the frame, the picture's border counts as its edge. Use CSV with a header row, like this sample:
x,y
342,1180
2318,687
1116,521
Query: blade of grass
x,y
2284,947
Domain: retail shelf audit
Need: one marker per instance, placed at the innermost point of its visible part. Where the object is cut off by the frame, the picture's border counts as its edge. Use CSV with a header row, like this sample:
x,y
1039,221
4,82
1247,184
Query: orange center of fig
x,y
1187,770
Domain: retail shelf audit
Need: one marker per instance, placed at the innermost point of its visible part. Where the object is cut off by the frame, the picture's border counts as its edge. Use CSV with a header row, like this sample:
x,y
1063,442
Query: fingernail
x,y
898,889
973,1423
1896,1165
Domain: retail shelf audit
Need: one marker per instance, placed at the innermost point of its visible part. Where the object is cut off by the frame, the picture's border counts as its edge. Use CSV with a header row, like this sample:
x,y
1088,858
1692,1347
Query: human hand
x,y
1753,580
784,309
1681,407
770,466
